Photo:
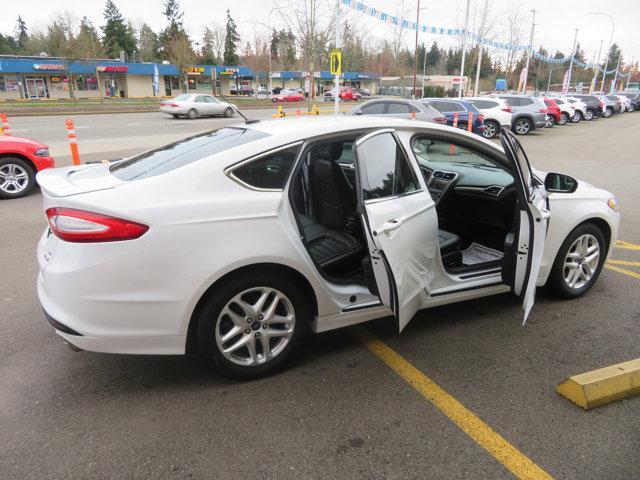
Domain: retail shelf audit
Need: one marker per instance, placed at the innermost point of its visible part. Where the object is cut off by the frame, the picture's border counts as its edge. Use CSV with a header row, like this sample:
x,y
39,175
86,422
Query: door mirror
x,y
560,183
359,112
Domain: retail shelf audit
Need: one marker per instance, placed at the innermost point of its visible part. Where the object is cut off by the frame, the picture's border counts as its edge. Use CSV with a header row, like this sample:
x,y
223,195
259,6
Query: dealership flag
x,y
523,76
565,83
156,80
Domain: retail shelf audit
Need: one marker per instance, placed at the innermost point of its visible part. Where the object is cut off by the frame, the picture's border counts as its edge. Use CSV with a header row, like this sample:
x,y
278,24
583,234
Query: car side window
x,y
396,108
386,171
513,101
525,101
269,171
201,99
373,109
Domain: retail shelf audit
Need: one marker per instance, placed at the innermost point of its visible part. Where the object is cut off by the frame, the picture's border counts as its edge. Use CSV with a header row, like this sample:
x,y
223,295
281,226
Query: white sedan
x,y
236,242
193,105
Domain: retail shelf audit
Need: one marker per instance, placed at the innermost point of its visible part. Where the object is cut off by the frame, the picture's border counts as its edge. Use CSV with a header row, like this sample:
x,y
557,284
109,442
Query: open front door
x,y
400,222
533,215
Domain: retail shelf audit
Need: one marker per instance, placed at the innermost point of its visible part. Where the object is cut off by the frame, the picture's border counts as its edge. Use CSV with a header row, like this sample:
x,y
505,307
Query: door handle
x,y
390,225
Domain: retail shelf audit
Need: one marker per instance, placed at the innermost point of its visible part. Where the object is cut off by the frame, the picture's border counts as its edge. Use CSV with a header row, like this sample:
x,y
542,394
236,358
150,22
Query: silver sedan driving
x,y
193,105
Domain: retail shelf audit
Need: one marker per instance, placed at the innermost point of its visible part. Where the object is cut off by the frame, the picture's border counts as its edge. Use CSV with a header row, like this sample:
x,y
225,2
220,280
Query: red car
x,y
20,160
288,96
349,93
553,112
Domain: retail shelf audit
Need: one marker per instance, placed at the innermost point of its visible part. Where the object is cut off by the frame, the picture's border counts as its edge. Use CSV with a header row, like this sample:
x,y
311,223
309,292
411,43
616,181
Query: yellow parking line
x,y
626,263
623,270
627,245
514,460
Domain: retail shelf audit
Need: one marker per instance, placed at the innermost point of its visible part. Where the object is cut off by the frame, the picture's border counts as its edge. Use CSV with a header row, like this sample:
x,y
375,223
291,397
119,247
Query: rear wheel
x,y
192,113
577,116
607,112
632,107
491,129
564,118
175,115
579,262
549,121
522,126
16,177
588,115
251,325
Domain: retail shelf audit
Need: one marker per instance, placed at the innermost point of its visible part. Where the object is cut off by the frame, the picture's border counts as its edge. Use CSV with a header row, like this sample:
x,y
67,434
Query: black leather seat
x,y
449,242
328,246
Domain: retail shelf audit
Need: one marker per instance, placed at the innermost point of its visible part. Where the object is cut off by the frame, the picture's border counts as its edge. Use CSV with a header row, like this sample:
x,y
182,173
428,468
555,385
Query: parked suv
x,y
497,113
611,107
595,106
635,100
529,113
450,107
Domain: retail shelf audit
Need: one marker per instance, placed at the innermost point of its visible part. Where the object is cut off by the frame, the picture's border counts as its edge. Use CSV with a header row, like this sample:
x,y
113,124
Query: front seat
x,y
335,197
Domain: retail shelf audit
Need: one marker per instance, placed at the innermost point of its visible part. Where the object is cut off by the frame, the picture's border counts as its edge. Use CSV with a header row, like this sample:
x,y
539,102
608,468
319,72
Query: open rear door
x,y
533,217
400,222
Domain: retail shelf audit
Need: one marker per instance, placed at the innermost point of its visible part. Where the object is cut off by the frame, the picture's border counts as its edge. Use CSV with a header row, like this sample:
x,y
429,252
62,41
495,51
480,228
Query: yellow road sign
x,y
336,61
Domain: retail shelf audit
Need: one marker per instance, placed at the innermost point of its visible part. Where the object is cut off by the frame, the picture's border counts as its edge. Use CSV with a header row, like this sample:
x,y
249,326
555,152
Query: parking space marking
x,y
623,270
512,458
627,245
626,263
612,264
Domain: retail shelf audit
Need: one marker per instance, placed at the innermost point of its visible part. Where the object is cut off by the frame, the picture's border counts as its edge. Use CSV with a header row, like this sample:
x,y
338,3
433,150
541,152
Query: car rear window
x,y
183,152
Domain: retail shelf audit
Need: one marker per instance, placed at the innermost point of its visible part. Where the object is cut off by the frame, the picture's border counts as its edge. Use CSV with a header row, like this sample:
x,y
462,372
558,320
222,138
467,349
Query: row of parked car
x,y
520,113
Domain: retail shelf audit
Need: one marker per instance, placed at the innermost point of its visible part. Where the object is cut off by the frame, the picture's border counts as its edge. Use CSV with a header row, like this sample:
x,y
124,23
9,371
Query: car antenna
x,y
246,120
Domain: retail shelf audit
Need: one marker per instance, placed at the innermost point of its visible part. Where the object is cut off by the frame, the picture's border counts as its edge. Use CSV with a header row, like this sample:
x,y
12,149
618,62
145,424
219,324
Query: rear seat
x,y
328,246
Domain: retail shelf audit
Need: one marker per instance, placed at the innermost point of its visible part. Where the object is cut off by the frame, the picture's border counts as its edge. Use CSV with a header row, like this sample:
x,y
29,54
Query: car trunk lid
x,y
74,180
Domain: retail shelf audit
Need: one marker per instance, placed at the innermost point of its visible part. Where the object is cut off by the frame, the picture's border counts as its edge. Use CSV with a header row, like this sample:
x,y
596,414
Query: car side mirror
x,y
560,183
359,112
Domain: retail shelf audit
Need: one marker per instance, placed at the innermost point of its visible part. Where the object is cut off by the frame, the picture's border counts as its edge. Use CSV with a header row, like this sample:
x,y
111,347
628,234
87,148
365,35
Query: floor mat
x,y
477,253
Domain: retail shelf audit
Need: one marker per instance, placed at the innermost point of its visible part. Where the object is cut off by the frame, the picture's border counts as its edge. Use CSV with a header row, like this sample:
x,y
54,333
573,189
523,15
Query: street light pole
x,y
573,53
615,78
336,78
464,48
480,35
415,55
613,27
526,68
270,52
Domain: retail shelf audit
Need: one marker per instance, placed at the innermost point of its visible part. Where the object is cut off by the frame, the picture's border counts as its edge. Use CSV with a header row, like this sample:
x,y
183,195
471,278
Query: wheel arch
x,y
21,156
602,224
273,268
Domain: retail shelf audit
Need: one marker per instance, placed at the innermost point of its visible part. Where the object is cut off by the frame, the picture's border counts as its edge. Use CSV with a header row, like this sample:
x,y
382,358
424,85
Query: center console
x,y
439,182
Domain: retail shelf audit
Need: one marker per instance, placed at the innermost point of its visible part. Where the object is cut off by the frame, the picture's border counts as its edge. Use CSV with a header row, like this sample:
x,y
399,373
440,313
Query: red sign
x,y
48,66
112,68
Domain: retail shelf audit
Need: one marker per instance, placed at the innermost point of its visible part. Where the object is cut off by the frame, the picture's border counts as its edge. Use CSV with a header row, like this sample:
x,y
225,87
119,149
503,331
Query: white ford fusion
x,y
236,242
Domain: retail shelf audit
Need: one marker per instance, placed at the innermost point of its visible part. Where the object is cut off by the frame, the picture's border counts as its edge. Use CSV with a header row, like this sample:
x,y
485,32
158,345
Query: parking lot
x,y
343,408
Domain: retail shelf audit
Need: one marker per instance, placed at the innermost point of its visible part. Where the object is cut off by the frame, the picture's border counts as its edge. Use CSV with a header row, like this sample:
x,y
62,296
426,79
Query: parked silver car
x,y
400,108
529,113
193,105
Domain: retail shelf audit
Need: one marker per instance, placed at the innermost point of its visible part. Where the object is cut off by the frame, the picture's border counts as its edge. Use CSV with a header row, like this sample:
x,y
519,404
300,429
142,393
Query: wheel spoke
x,y
235,318
235,330
242,342
271,309
251,347
259,304
266,349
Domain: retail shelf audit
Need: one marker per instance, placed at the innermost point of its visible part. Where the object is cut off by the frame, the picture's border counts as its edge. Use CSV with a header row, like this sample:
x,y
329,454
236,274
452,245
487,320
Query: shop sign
x,y
48,66
230,71
276,75
112,68
195,70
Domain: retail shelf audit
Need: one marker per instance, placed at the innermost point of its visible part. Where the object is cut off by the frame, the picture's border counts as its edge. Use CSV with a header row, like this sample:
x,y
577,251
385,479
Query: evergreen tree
x,y
87,43
22,35
614,55
207,52
117,34
174,16
8,45
231,42
148,44
274,45
433,56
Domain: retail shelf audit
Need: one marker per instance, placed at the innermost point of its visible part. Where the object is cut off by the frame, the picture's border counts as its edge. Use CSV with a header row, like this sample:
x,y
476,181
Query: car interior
x,y
475,203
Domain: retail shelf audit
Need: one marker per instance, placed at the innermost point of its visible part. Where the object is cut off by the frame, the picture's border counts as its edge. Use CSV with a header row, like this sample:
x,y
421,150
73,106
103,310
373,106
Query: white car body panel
x,y
138,296
496,113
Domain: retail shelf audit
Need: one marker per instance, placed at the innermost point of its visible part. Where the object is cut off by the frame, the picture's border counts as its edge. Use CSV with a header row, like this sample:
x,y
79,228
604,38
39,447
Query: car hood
x,y
6,140
584,191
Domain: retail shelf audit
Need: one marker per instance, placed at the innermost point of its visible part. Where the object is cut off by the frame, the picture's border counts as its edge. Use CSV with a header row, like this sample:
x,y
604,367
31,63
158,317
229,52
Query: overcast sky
x,y
555,19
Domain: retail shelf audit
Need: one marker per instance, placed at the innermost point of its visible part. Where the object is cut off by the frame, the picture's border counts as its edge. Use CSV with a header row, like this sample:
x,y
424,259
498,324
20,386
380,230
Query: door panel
x,y
401,223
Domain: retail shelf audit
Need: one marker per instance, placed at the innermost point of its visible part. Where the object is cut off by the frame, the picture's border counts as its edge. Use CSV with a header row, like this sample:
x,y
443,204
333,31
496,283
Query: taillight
x,y
81,226
602,105
480,117
508,109
542,110
440,120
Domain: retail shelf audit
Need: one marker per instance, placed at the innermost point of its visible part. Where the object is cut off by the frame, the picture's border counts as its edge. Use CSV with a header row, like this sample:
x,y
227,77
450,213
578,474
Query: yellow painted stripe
x,y
623,270
514,460
627,245
626,263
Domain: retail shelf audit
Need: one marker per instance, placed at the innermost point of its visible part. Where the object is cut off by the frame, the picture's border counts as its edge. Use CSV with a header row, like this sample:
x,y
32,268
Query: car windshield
x,y
428,151
183,152
182,98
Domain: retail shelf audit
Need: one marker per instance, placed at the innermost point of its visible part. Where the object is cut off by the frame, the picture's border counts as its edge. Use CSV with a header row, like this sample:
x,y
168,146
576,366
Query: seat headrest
x,y
331,151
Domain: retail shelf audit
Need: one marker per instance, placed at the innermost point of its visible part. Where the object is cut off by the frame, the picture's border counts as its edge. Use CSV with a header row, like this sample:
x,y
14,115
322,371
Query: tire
x,y
549,122
607,112
17,178
522,126
577,116
214,323
588,115
564,118
191,114
558,282
228,112
491,129
632,107
175,115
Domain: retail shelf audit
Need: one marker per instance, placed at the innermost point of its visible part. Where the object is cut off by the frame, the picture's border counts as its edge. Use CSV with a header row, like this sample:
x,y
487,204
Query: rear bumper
x,y
174,110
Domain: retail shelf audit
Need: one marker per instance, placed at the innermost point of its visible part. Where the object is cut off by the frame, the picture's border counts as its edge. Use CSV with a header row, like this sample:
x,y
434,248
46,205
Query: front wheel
x,y
577,116
632,107
578,262
228,112
522,126
16,178
491,129
588,115
252,324
548,121
607,113
192,114
564,118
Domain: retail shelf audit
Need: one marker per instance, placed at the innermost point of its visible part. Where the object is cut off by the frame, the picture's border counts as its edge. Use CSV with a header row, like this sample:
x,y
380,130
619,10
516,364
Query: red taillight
x,y
74,225
602,105
440,120
542,110
480,117
508,109
173,104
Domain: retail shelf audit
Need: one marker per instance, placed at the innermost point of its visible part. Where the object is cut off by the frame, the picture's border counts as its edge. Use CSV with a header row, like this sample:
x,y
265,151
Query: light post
x,y
573,53
549,81
415,54
526,68
613,27
464,51
270,52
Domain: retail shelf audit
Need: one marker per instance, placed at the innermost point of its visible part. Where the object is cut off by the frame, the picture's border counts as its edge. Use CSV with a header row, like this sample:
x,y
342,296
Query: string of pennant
x,y
422,27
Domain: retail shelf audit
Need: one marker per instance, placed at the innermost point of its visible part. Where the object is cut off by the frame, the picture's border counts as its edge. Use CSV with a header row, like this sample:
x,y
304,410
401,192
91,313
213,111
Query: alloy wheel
x,y
564,118
255,326
588,115
522,127
581,261
490,130
13,178
548,121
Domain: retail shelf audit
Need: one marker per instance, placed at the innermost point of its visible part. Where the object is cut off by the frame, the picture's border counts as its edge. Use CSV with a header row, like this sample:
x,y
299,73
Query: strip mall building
x,y
50,78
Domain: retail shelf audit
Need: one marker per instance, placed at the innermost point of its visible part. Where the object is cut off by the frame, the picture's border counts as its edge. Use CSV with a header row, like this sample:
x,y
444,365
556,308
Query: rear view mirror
x,y
560,183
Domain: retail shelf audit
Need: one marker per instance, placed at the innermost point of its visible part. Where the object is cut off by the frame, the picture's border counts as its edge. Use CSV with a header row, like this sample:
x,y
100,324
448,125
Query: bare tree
x,y
180,53
514,25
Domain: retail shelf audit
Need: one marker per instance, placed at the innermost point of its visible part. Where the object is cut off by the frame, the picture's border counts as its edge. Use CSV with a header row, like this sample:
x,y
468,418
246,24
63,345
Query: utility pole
x,y
526,68
615,78
595,69
480,38
424,70
415,54
464,48
336,78
573,54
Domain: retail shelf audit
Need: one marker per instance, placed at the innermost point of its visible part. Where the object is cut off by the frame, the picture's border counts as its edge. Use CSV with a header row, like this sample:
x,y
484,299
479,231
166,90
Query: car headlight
x,y
613,204
42,152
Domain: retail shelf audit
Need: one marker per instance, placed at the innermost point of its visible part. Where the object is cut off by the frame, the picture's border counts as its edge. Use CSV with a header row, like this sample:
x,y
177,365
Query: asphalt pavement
x,y
338,411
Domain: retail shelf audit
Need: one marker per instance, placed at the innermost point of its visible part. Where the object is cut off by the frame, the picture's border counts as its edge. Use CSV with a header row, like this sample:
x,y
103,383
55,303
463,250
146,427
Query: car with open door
x,y
236,242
